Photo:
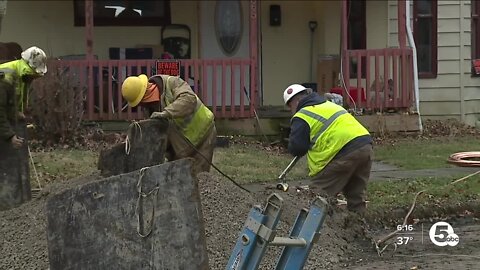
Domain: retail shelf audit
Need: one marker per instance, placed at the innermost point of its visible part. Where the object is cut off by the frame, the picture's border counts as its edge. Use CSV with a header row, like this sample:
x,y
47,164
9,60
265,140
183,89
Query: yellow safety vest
x,y
195,126
331,128
14,70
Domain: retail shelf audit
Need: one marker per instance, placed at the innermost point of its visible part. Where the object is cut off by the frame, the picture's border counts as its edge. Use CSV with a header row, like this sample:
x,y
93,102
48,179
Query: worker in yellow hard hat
x,y
192,131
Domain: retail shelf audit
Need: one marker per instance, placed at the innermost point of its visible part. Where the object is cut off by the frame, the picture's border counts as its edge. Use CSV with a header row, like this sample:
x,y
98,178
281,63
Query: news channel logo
x,y
442,234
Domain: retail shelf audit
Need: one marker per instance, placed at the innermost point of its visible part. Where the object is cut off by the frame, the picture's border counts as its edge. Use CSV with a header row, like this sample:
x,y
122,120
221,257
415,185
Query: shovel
x,y
282,185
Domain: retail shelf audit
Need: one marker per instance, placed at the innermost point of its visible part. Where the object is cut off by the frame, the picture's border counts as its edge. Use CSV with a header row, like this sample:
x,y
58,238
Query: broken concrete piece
x,y
146,146
14,172
94,226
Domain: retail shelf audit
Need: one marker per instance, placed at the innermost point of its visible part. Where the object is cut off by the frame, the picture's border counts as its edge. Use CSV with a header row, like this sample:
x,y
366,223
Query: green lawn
x,y
247,164
437,190
411,154
62,165
252,163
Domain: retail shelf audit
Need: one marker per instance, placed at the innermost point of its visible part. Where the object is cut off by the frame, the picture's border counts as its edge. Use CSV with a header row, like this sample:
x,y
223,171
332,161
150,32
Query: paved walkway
x,y
381,171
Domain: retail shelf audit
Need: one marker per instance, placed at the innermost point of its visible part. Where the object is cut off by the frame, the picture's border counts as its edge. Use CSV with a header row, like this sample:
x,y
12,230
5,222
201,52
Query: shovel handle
x,y
289,167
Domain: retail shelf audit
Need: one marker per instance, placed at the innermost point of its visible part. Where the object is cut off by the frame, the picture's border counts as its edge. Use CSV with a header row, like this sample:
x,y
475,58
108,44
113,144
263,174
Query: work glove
x,y
160,115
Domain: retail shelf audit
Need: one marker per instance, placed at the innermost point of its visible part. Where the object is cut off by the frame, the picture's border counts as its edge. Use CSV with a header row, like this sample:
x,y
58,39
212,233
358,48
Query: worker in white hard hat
x,y
192,131
15,79
338,148
20,73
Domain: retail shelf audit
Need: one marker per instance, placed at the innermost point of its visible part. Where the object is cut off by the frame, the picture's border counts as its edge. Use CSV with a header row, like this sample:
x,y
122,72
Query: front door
x,y
224,34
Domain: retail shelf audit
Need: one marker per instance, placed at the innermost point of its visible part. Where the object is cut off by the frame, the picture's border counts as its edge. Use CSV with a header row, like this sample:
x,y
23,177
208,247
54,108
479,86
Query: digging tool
x,y
282,185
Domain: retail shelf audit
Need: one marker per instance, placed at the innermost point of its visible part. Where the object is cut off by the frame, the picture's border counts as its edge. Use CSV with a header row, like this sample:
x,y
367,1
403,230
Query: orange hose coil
x,y
459,159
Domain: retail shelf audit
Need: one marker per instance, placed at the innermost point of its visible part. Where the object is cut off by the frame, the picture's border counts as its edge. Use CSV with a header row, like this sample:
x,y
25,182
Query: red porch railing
x,y
221,84
384,75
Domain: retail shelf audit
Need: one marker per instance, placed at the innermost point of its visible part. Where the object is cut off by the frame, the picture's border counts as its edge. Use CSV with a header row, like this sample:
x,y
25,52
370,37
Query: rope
x,y
206,159
459,159
127,139
34,168
377,243
141,194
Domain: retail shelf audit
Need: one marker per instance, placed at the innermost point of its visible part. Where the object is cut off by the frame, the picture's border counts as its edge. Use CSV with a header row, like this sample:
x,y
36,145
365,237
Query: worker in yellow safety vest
x,y
192,131
15,79
338,148
20,73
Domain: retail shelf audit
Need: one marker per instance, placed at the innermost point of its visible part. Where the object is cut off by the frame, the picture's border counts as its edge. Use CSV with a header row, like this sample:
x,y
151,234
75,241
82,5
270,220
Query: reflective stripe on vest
x,y
331,128
195,126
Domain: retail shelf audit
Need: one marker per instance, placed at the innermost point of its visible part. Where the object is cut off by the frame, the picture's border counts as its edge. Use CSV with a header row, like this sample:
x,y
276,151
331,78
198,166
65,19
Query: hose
x,y
461,159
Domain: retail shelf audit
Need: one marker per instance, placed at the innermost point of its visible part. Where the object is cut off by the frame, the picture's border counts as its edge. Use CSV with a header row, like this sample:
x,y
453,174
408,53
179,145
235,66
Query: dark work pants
x,y
348,174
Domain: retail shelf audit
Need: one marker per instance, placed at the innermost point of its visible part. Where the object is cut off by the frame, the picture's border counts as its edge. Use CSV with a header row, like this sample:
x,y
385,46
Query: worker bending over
x,y
191,122
338,148
15,79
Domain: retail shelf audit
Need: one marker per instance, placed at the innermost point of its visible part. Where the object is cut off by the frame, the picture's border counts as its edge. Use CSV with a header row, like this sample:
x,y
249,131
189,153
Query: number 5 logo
x,y
442,234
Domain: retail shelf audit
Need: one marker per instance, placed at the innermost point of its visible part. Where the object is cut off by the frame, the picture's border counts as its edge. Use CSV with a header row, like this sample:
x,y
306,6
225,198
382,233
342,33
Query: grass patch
x,y
248,164
62,165
413,154
438,195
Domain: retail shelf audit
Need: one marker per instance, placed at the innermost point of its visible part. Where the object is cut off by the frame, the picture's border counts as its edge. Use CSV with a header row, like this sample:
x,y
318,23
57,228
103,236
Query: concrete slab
x,y
439,172
381,171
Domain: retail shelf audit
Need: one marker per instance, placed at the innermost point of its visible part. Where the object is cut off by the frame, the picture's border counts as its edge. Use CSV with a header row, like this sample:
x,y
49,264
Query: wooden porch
x,y
382,80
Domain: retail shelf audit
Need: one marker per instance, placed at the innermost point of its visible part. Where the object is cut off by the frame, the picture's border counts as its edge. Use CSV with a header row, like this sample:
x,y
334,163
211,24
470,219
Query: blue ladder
x,y
259,232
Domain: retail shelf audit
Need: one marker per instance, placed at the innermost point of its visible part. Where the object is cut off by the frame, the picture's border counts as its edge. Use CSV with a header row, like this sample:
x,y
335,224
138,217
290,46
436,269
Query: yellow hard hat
x,y
133,89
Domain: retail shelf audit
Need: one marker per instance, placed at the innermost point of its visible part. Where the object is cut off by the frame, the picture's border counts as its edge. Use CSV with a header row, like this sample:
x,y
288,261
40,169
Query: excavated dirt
x,y
342,244
225,209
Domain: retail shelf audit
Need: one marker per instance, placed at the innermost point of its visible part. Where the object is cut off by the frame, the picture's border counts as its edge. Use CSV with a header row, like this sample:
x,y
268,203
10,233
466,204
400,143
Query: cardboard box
x,y
328,68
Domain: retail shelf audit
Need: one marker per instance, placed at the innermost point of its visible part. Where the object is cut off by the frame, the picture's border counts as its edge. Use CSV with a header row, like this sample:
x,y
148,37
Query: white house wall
x,y
454,93
286,48
50,25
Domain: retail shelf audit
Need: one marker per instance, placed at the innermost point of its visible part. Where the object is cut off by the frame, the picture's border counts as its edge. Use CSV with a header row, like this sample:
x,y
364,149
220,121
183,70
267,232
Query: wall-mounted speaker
x,y
275,15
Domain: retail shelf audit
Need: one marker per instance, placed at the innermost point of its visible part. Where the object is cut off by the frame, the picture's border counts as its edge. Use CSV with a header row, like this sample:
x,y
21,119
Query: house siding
x,y
454,93
50,25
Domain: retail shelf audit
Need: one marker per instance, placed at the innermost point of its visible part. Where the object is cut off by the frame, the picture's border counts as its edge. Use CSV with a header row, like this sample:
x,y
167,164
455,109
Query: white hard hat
x,y
291,91
36,59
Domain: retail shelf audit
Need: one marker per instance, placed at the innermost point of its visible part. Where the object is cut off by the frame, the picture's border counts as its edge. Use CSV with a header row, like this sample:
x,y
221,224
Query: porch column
x,y
344,46
253,54
89,54
402,32
89,29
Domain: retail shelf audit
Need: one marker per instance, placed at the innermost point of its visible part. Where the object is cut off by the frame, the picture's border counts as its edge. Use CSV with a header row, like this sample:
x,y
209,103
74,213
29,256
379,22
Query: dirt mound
x,y
225,209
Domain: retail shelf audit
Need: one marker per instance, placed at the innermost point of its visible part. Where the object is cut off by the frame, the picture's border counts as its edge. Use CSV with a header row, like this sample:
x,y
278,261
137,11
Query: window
x,y
425,35
357,32
124,12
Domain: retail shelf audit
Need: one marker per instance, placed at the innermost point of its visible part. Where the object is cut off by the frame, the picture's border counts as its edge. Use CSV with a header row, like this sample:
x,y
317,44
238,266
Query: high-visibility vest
x,y
195,126
14,70
331,128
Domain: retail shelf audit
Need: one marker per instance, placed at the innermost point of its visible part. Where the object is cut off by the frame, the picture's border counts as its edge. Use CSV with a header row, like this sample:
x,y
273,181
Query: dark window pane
x,y
356,36
356,9
424,44
424,7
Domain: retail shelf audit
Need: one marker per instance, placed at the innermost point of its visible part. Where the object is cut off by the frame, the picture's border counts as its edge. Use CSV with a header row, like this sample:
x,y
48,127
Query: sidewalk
x,y
382,171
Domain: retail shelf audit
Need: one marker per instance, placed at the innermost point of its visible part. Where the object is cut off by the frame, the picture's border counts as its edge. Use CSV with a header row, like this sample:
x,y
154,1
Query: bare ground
x,y
342,244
